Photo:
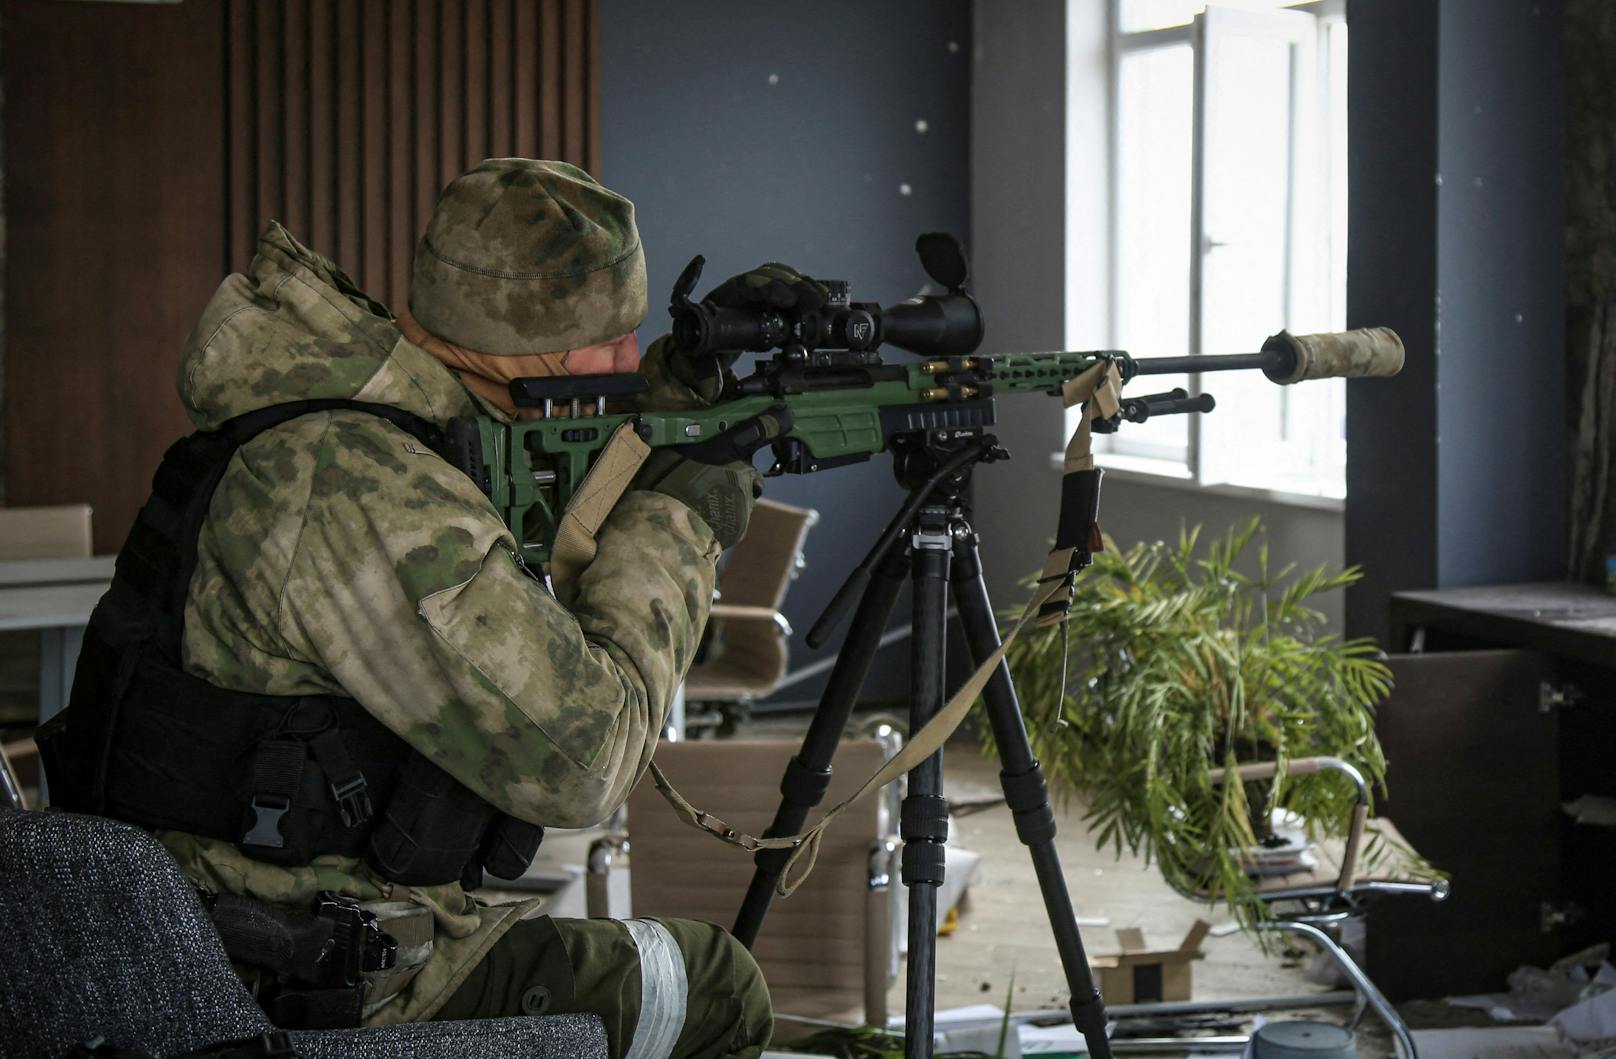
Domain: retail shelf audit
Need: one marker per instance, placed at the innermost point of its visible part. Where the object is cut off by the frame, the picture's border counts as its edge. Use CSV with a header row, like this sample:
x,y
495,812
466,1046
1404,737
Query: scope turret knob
x,y
839,291
861,333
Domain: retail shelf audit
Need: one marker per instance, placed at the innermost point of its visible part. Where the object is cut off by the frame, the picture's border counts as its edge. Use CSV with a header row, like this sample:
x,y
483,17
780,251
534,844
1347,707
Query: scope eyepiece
x,y
701,327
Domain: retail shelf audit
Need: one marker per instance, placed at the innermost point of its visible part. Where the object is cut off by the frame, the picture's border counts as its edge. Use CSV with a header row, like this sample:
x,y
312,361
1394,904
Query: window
x,y
1228,222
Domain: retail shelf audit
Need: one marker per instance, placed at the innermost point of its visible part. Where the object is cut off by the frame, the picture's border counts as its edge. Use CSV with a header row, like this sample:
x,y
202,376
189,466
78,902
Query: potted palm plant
x,y
1173,663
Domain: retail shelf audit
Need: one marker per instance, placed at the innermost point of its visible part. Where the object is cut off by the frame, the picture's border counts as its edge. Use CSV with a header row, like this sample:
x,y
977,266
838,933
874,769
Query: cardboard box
x,y
1139,975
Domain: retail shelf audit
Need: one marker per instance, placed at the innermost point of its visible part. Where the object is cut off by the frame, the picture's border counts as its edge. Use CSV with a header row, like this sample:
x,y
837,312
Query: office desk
x,y
1504,711
1559,618
54,596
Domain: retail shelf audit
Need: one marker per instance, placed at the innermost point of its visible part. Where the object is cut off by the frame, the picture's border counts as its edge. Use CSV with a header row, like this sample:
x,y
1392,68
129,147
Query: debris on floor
x,y
1537,994
1595,810
1492,1042
1590,1024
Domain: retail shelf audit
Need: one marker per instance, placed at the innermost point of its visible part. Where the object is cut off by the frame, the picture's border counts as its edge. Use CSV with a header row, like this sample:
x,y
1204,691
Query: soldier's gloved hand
x,y
715,478
769,286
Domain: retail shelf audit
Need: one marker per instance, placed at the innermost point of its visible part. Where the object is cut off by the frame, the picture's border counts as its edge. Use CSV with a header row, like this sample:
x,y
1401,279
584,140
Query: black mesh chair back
x,y
104,937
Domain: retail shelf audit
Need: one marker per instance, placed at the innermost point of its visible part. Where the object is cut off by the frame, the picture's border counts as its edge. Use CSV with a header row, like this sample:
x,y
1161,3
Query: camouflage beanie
x,y
523,257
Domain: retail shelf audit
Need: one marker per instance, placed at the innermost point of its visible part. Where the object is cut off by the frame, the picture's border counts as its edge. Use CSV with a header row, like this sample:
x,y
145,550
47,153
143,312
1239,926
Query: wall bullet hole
x,y
920,125
774,79
905,189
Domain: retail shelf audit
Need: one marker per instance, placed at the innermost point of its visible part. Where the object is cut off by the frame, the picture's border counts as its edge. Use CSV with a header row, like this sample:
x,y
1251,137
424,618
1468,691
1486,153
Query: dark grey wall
x,y
1501,418
1018,209
763,131
1455,469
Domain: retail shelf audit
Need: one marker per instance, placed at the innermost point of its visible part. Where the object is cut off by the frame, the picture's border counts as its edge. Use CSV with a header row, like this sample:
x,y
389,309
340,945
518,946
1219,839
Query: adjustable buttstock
x,y
1362,353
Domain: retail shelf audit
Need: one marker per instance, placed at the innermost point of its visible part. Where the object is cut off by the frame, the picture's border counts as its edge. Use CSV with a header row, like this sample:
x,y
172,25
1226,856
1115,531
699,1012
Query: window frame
x,y
1152,461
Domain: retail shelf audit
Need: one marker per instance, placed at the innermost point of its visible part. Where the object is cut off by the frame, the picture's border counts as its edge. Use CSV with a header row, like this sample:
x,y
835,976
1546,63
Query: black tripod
x,y
938,552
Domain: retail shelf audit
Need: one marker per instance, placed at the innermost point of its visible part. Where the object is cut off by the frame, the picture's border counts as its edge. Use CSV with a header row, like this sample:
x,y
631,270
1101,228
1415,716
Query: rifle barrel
x,y
1220,362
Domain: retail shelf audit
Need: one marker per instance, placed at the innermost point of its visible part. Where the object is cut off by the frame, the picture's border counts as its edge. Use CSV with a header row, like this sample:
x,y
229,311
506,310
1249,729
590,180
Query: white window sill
x,y
1172,475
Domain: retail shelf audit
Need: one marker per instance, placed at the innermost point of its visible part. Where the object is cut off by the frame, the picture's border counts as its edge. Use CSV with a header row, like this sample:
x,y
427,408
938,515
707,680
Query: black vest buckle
x,y
265,828
352,796
344,780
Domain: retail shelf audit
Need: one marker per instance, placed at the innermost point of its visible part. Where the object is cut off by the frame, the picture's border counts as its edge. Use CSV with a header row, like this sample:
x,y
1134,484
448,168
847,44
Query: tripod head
x,y
936,468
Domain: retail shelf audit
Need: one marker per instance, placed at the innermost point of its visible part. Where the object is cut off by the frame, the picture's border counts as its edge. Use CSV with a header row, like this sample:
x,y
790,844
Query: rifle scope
x,y
931,325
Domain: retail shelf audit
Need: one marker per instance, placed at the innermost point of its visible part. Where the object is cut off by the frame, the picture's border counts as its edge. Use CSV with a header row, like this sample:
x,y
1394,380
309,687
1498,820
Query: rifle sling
x,y
1097,389
613,471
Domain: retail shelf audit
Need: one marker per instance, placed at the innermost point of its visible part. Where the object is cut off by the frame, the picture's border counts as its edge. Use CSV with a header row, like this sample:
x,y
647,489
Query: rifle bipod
x,y
932,541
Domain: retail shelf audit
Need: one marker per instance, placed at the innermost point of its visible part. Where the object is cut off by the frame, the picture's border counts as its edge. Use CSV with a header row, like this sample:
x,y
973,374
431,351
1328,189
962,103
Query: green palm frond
x,y
1180,660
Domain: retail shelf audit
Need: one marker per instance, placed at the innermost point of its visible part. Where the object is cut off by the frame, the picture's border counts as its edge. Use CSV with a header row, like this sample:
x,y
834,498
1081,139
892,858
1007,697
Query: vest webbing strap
x,y
1098,391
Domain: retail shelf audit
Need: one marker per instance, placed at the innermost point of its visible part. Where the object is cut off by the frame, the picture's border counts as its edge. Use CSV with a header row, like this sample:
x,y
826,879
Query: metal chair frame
x,y
1319,907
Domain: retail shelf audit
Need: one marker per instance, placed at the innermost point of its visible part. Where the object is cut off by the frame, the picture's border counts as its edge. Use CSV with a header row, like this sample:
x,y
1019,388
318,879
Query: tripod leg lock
x,y
1027,795
802,785
925,817
924,827
1088,1017
923,862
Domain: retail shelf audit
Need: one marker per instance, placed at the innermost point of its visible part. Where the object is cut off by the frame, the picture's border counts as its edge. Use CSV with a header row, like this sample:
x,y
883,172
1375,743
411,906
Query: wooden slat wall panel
x,y
550,84
115,216
500,86
346,117
476,81
400,198
340,118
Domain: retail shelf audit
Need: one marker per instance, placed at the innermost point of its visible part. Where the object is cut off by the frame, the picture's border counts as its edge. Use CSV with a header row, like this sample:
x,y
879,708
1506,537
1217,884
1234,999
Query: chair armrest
x,y
881,925
749,612
10,786
597,900
1307,766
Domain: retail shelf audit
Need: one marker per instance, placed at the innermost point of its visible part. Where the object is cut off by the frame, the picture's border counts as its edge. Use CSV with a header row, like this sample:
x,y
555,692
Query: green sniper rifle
x,y
840,403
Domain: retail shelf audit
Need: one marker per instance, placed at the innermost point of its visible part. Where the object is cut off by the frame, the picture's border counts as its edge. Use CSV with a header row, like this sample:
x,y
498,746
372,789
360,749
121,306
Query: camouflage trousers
x,y
551,966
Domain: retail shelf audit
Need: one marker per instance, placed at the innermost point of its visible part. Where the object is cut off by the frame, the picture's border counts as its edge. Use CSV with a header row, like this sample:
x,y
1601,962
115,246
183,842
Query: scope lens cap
x,y
943,259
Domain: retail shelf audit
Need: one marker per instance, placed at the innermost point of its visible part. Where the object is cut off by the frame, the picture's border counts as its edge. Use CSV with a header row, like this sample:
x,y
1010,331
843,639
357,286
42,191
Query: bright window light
x,y
1141,15
1228,175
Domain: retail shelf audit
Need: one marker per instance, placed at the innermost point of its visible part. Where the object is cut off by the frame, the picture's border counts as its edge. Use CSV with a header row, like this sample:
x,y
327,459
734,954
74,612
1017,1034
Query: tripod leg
x,y
808,774
1027,795
924,823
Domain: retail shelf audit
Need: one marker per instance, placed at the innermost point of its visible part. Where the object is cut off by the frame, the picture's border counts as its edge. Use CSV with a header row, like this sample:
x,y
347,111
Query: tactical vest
x,y
286,778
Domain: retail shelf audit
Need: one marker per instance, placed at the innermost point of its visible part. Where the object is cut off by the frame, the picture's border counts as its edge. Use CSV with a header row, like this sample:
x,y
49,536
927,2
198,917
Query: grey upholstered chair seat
x,y
514,1038
104,937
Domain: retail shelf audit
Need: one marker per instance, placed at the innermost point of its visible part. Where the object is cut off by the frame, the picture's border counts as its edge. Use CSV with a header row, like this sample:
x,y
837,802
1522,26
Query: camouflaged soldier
x,y
324,677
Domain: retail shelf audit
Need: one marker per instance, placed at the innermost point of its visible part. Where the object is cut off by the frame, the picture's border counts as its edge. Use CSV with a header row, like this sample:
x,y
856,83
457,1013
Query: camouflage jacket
x,y
340,557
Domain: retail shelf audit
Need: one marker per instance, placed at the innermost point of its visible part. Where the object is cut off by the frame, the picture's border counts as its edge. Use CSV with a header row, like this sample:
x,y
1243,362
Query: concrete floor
x,y
1002,929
